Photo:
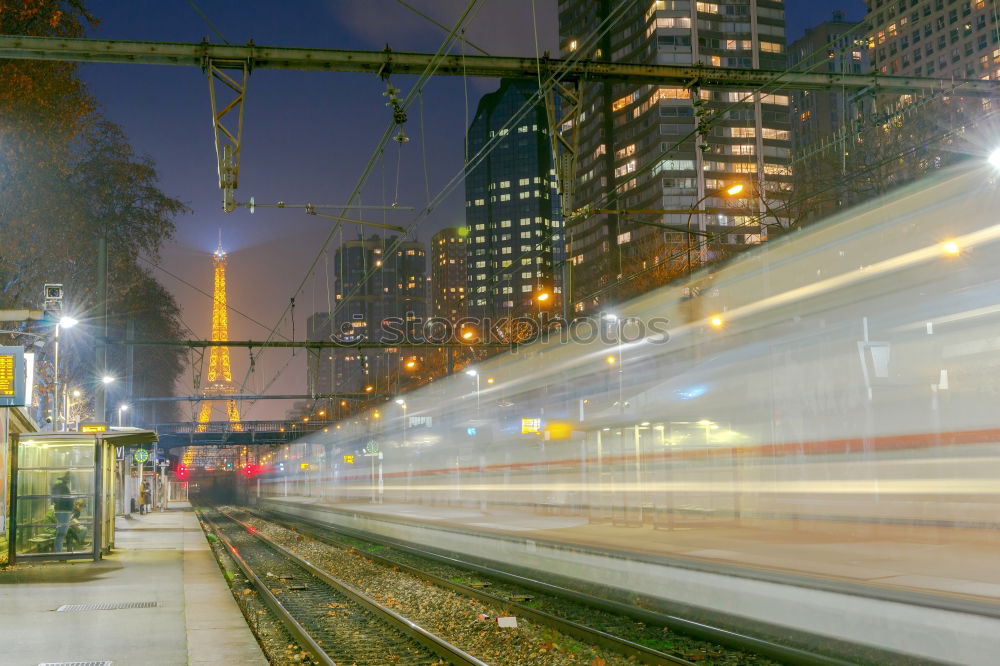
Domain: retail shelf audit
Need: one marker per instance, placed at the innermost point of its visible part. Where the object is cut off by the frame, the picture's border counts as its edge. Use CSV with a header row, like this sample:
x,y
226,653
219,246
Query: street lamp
x,y
994,158
64,322
473,373
121,409
67,405
612,361
402,403
728,191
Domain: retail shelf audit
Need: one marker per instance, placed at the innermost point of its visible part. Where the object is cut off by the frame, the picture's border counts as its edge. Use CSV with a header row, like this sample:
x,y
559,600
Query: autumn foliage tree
x,y
69,177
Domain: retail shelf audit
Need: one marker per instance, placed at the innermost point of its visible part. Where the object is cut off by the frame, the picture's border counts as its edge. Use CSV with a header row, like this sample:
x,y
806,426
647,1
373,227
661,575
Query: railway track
x,y
330,618
643,635
648,638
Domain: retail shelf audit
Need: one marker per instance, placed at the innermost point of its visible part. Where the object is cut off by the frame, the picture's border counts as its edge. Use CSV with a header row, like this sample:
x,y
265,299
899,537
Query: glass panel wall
x,y
55,495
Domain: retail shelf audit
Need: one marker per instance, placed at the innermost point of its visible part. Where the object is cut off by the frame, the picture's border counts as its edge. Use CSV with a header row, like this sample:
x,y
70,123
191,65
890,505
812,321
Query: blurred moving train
x,y
845,377
851,372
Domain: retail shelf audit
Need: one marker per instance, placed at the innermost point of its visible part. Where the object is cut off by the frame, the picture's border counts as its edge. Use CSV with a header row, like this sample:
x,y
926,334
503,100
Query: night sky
x,y
306,139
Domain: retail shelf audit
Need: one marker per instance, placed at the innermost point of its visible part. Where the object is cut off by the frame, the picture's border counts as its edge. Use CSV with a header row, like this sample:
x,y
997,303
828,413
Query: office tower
x,y
380,295
672,149
822,121
448,273
512,210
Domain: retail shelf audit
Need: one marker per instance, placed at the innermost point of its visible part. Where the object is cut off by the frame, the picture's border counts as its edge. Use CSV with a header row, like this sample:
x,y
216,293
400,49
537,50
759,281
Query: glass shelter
x,y
62,499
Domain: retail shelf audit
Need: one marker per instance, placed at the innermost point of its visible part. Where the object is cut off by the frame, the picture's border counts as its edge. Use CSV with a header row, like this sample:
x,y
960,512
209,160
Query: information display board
x,y
12,377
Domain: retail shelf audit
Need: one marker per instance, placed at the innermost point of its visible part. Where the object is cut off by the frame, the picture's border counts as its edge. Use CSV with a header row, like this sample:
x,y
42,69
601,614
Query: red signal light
x,y
182,472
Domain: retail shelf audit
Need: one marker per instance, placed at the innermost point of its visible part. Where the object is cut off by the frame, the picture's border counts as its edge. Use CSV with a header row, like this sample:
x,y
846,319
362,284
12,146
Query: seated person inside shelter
x,y
76,535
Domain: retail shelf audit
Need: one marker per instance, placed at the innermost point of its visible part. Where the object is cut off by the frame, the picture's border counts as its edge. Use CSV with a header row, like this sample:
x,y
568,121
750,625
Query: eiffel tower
x,y
220,375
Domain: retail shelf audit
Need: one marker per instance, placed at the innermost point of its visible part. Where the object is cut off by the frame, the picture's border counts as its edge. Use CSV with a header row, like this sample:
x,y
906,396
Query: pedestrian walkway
x,y
161,561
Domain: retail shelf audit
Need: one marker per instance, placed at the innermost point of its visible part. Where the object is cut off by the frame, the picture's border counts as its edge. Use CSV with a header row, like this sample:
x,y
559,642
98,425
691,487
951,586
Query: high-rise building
x,y
822,121
448,273
940,38
667,148
892,138
512,210
836,47
365,308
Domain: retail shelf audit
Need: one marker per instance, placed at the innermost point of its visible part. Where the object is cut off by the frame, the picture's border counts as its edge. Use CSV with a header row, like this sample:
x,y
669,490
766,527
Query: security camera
x,y
53,298
53,292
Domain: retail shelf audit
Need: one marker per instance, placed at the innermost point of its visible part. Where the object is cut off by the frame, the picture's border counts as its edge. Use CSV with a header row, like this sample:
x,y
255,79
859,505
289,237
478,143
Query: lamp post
x,y
402,403
621,366
730,191
121,409
473,373
64,322
67,405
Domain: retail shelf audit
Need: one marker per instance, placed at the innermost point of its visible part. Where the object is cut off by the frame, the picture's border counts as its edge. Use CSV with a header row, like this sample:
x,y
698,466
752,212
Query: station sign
x,y
531,426
93,427
12,377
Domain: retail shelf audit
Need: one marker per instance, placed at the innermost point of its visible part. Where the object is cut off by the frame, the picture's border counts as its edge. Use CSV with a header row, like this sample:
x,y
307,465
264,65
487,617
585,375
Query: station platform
x,y
159,558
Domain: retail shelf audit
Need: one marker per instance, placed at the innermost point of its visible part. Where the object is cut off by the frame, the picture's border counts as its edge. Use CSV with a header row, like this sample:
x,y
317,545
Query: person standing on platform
x,y
143,498
63,506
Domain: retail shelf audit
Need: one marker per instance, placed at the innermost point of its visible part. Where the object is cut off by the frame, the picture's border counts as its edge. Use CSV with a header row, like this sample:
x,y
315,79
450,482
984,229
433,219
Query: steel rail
x,y
581,632
376,62
270,600
437,645
699,630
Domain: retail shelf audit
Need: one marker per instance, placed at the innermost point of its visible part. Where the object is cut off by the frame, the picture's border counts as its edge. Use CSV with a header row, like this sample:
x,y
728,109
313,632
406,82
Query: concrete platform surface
x,y
160,557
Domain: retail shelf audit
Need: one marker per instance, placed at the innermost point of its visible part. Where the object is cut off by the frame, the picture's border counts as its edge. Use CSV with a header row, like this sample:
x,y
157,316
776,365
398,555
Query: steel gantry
x,y
559,77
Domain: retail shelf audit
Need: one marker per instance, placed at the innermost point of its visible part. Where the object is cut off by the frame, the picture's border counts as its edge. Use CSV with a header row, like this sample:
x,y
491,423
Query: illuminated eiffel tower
x,y
220,375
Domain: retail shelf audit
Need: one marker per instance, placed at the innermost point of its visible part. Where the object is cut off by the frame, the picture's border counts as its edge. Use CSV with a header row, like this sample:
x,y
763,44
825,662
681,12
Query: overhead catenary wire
x,y
386,136
505,276
496,139
519,115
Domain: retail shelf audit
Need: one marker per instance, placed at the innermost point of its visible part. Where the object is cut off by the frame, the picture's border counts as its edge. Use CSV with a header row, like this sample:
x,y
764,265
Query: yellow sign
x,y
7,375
531,426
557,430
94,427
349,460
303,465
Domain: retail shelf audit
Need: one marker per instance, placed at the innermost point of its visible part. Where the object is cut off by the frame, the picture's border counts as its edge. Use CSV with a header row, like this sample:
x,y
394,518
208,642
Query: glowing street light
x,y
994,158
121,410
402,403
473,373
107,379
731,191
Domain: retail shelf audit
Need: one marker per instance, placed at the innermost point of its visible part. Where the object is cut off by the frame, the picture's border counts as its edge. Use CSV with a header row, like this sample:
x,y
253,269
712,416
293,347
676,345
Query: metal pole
x,y
55,390
101,356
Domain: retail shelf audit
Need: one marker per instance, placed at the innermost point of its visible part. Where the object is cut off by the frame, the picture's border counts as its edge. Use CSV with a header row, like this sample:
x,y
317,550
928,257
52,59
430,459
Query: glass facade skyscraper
x,y
656,153
512,210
